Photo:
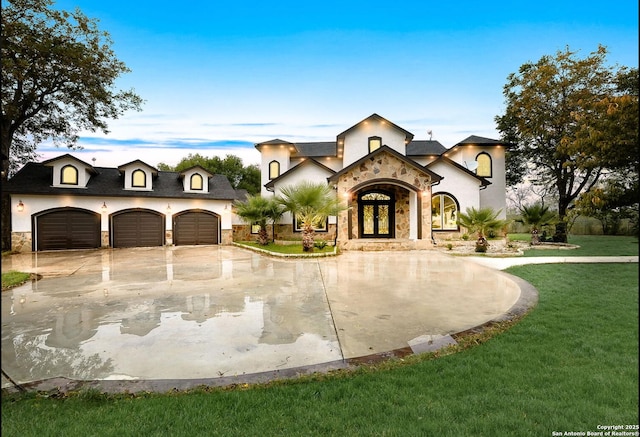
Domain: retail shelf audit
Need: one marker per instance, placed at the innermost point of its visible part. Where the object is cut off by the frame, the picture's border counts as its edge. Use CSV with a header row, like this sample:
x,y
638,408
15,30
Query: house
x,y
66,203
402,193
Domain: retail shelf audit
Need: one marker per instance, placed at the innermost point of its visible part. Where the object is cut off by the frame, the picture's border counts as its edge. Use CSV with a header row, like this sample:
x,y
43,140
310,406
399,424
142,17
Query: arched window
x,y
196,181
138,178
274,169
444,212
69,175
484,165
374,143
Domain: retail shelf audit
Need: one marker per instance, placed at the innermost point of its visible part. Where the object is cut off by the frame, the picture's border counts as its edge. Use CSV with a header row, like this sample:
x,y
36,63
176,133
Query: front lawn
x,y
286,249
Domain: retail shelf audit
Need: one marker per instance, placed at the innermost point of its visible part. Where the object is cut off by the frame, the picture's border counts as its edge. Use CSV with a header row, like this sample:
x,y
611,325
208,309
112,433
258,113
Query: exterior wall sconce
x,y
104,206
168,208
20,206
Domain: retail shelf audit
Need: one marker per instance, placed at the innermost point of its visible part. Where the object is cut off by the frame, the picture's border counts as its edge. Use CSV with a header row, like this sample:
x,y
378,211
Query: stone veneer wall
x,y
383,167
283,232
21,241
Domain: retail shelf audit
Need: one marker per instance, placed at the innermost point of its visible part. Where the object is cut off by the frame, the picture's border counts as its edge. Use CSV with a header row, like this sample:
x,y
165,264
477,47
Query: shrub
x,y
320,244
465,237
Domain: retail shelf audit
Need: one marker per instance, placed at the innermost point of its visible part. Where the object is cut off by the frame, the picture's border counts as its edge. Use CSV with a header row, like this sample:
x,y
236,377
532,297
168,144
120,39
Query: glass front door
x,y
376,215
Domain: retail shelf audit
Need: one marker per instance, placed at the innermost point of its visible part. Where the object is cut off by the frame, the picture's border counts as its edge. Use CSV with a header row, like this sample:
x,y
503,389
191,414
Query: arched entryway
x,y
376,214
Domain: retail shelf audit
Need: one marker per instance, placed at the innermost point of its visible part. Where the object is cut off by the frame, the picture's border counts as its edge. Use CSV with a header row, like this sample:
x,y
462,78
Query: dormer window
x,y
484,165
374,143
138,179
69,175
196,181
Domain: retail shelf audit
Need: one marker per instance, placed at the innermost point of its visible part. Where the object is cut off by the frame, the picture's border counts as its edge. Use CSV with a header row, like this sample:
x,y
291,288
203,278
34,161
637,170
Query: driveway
x,y
181,316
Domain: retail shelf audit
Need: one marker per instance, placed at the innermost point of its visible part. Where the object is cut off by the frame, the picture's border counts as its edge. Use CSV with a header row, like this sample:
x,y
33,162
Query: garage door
x,y
68,229
195,228
139,228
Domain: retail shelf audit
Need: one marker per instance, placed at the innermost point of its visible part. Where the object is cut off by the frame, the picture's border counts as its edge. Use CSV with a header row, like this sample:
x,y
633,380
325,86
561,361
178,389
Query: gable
x,y
309,169
70,172
386,164
138,175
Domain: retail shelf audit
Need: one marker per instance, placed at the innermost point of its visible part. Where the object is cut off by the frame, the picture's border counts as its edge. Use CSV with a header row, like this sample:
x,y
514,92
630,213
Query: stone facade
x,y
386,172
21,242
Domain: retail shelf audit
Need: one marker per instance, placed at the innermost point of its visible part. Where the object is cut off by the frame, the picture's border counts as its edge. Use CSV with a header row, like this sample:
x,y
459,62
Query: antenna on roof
x,y
430,132
471,165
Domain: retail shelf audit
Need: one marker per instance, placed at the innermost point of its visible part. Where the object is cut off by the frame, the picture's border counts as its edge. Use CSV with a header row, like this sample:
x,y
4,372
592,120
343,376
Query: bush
x,y
320,244
465,237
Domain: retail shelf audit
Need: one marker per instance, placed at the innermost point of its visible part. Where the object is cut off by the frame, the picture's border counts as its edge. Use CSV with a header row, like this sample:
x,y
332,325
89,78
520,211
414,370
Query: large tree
x,y
58,79
240,176
571,122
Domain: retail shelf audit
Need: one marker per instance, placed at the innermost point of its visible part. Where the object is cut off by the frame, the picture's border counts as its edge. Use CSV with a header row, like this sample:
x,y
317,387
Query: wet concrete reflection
x,y
210,311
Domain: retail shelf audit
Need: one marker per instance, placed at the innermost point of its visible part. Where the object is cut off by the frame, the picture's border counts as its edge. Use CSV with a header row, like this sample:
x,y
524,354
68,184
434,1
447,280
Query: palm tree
x,y
257,210
311,204
481,221
536,216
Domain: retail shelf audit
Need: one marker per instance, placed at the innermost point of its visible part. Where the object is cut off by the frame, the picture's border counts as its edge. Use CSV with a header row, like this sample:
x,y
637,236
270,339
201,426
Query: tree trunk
x,y
307,239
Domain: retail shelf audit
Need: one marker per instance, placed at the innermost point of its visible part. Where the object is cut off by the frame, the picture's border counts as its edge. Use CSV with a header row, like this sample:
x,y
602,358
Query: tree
x,y
482,221
561,115
240,177
58,79
536,216
258,210
311,204
609,203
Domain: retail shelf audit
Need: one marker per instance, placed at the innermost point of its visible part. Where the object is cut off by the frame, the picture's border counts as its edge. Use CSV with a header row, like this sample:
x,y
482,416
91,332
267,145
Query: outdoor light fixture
x,y
20,206
104,206
168,208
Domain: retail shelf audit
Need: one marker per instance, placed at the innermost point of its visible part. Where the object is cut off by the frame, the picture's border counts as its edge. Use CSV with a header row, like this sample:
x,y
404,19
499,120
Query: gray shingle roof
x,y
36,178
317,149
425,147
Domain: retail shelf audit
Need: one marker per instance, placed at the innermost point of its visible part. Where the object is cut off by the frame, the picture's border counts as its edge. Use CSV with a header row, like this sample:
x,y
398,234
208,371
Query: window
x,y
484,165
444,213
255,227
138,178
274,169
374,143
196,181
297,226
69,175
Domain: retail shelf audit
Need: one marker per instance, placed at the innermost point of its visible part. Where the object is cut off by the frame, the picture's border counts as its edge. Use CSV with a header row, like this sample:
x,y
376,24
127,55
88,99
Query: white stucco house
x,y
66,203
402,193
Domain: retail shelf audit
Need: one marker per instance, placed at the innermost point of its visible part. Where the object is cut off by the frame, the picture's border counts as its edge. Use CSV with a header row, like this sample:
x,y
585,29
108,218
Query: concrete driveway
x,y
177,317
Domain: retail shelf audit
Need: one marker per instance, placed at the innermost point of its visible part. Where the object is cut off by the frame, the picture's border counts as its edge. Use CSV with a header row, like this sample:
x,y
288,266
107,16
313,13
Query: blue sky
x,y
220,76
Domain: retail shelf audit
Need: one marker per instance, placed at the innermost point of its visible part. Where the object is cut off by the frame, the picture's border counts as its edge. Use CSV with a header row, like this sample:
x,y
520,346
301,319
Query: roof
x,y
474,139
434,176
73,158
376,117
317,149
139,162
303,164
36,178
425,147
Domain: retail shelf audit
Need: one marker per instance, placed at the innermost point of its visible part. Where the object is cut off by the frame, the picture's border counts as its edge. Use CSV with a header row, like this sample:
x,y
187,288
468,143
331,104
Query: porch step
x,y
379,244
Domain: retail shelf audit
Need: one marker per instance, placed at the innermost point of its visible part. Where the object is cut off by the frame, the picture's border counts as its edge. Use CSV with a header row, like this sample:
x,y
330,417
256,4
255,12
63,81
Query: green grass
x,y
288,249
12,279
569,365
592,245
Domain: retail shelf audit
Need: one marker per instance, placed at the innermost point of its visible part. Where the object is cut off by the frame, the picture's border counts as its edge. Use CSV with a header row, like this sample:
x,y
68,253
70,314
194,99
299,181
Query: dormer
x,y
70,172
138,175
195,180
